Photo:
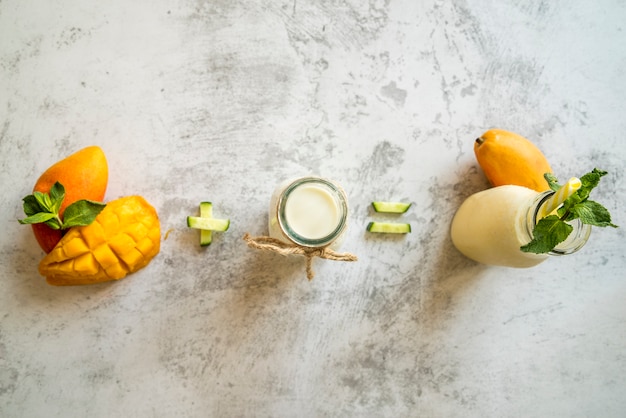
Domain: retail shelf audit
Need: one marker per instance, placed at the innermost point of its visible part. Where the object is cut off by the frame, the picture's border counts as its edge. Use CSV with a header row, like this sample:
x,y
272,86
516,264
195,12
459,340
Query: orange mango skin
x,y
124,238
508,158
84,175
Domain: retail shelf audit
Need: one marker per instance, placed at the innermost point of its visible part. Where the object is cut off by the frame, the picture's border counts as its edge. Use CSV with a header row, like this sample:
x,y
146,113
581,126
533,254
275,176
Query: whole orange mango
x,y
84,175
509,158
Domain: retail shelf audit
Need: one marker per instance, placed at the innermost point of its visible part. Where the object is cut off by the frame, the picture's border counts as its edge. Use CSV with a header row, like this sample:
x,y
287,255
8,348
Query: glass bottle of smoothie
x,y
490,227
309,211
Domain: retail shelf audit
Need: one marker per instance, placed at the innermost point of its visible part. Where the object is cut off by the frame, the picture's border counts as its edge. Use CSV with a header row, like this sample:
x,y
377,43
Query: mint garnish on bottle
x,y
553,229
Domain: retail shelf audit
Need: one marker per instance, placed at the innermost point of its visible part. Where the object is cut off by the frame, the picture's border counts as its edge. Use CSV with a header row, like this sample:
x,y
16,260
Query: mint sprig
x,y
44,208
554,229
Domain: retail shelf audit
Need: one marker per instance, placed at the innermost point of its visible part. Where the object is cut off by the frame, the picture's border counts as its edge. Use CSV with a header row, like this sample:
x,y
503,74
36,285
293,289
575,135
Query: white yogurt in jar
x,y
309,211
312,212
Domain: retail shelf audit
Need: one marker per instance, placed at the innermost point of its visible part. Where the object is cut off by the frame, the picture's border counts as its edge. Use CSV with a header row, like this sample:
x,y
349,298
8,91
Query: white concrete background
x,y
220,100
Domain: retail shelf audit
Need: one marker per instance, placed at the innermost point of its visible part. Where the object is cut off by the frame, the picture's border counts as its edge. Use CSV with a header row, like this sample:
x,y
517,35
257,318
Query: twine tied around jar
x,y
283,248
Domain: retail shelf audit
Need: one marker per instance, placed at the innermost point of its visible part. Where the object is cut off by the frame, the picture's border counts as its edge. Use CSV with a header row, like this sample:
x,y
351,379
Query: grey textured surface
x,y
220,100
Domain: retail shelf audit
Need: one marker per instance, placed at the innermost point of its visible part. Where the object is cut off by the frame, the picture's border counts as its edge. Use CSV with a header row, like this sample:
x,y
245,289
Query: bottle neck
x,y
576,239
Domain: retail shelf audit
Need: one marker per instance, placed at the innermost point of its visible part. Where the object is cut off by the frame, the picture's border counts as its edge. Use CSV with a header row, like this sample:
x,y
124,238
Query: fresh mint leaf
x,y
554,229
31,205
553,183
589,182
548,233
565,210
37,218
592,213
57,194
82,212
44,208
40,208
44,201
54,223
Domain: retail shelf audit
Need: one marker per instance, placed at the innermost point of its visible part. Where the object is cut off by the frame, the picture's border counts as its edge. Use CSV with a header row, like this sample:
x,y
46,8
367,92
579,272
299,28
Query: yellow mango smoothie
x,y
490,227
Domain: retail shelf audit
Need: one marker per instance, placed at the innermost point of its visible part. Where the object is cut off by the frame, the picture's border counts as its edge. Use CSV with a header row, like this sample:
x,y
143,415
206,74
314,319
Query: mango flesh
x,y
124,238
508,158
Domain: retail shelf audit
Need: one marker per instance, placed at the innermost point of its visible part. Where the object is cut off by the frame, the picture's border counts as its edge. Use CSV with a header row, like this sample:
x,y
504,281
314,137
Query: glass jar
x,y
574,241
310,212
490,227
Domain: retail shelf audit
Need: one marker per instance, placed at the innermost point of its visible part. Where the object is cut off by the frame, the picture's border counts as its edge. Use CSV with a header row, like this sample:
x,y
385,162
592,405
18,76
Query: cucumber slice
x,y
391,207
389,228
206,235
212,224
206,223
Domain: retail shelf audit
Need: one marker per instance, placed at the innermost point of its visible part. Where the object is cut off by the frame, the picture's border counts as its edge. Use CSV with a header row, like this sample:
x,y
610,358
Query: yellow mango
x,y
74,248
124,237
85,264
509,158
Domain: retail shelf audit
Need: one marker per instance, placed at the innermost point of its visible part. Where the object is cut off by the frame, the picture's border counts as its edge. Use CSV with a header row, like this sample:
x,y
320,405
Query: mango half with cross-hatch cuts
x,y
509,158
124,237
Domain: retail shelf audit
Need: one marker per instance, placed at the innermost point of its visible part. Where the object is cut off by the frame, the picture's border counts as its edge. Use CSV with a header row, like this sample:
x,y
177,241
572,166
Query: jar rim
x,y
338,195
577,238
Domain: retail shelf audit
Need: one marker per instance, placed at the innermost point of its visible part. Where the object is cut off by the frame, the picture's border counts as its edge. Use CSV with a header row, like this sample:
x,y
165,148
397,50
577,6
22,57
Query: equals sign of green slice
x,y
389,227
391,207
